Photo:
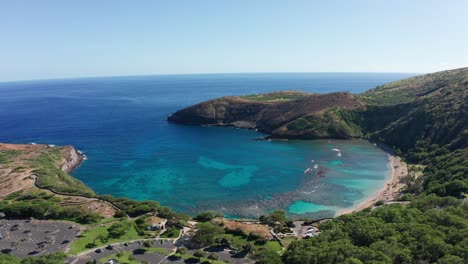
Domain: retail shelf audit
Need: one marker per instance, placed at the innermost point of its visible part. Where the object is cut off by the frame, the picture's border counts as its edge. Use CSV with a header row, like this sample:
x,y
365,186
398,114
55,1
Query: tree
x,y
265,256
247,247
118,229
102,238
224,242
55,258
213,257
199,254
206,234
181,250
207,216
9,259
147,244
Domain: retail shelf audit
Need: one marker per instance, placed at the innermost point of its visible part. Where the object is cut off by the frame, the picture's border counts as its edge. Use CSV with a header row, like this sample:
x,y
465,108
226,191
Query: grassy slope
x,y
53,178
45,162
430,107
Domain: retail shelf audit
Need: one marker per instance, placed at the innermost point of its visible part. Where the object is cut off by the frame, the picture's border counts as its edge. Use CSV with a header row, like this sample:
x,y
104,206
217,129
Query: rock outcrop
x,y
277,114
428,107
71,159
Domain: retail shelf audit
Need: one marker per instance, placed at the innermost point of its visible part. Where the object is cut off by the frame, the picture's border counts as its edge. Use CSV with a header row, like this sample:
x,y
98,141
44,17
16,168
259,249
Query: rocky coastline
x,y
72,159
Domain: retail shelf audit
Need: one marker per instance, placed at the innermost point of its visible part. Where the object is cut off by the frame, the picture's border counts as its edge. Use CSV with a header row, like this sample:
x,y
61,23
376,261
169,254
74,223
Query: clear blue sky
x,y
57,39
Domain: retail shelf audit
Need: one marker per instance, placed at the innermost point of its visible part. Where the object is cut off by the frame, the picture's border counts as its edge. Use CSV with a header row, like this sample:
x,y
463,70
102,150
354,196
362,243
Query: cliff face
x,y
276,113
431,106
71,159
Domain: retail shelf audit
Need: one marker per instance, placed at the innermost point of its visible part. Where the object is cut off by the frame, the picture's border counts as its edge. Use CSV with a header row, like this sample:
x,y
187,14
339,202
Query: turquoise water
x,y
120,123
301,207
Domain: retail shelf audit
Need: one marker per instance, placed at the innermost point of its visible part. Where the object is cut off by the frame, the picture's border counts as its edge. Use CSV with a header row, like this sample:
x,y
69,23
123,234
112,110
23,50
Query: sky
x,y
64,39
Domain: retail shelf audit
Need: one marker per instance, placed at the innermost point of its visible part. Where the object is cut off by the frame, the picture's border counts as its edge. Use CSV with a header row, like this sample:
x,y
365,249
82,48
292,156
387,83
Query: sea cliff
x,y
428,107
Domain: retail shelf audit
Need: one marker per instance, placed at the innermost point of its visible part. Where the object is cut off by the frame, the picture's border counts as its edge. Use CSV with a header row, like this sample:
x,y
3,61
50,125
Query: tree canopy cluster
x,y
55,258
433,228
43,205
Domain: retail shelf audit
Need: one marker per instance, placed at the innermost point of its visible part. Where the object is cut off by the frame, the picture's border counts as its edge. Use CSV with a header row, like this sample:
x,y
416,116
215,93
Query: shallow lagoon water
x,y
121,124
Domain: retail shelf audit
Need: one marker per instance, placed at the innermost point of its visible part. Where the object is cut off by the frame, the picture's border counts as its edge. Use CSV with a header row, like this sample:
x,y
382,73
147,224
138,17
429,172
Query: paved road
x,y
25,238
227,255
300,230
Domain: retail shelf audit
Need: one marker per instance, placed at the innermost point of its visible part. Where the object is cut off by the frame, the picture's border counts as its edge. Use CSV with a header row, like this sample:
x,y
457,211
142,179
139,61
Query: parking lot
x,y
25,238
136,247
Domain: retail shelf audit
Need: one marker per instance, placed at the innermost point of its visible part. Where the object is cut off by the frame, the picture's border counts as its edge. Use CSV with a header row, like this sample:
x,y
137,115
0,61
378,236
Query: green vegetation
x,y
43,205
51,177
170,233
55,258
131,207
206,216
337,122
45,163
182,254
103,235
423,118
278,221
433,228
275,97
445,172
424,232
7,155
209,234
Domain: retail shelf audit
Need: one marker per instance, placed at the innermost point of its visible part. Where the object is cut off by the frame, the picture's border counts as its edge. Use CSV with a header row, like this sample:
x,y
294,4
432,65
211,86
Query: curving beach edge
x,y
389,192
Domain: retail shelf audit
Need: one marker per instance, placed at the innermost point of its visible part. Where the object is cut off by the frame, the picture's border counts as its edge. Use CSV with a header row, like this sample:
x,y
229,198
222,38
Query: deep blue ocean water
x,y
120,123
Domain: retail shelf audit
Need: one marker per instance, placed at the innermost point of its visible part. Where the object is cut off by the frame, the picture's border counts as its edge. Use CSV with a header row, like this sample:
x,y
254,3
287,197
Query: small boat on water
x,y
315,166
335,149
339,154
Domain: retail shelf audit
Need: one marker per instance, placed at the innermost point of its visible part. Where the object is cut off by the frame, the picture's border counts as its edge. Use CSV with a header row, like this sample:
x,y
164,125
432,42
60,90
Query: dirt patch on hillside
x,y
247,227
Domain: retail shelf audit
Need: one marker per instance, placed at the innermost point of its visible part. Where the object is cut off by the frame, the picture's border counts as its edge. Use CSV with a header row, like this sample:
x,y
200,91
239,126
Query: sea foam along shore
x,y
391,189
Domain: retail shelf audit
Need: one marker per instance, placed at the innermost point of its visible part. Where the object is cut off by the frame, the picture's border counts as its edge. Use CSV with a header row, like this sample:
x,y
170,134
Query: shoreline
x,y
73,160
389,192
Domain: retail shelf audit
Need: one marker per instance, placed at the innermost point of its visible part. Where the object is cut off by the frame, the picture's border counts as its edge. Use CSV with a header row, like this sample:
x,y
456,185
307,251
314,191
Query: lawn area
x,y
170,233
92,235
273,246
237,241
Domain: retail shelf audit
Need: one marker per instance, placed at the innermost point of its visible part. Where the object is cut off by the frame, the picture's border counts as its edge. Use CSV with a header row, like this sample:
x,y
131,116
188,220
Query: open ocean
x,y
120,123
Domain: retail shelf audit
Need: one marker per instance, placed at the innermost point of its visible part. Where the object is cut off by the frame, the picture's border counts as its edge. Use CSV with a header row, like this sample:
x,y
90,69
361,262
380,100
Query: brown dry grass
x,y
247,227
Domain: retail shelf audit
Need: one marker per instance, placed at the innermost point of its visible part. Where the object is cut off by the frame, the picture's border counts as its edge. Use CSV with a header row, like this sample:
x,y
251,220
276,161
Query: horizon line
x,y
201,73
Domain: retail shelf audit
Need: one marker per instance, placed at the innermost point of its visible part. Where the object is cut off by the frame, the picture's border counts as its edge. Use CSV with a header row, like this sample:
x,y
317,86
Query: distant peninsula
x,y
399,114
